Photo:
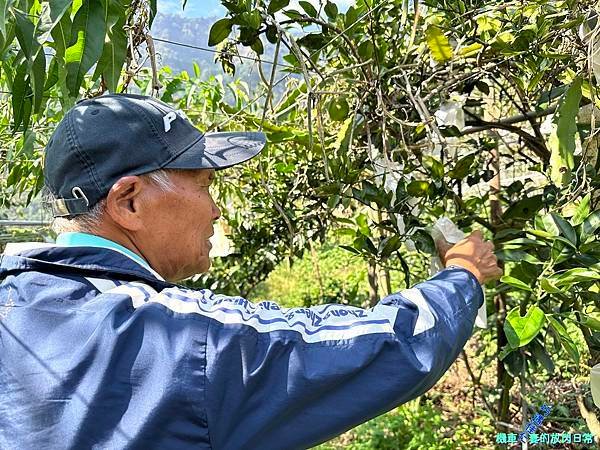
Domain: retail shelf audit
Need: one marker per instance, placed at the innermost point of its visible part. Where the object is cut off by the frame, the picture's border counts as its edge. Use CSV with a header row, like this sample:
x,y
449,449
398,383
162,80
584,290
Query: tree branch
x,y
539,148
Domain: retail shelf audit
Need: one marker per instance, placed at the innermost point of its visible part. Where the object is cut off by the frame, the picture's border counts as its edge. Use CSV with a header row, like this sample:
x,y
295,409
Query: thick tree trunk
x,y
503,379
386,282
317,268
372,277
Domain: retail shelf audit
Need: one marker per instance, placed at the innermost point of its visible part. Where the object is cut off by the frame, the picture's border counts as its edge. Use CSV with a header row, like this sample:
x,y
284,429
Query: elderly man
x,y
101,349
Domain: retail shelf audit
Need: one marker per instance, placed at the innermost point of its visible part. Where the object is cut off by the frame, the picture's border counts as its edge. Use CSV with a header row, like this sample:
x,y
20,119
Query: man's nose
x,y
216,211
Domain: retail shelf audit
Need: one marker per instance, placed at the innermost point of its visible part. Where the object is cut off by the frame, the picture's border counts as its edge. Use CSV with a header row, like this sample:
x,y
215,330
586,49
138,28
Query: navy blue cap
x,y
105,138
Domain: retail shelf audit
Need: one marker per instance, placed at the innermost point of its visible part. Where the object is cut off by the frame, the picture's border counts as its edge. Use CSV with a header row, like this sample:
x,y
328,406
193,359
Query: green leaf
x,y
540,233
343,136
250,19
154,9
89,28
590,225
576,275
52,77
19,96
550,225
328,189
271,34
524,208
276,5
219,31
462,167
25,31
520,243
293,14
309,8
418,188
75,6
366,244
506,350
351,16
434,165
45,23
438,44
331,10
562,139
258,47
290,99
366,49
338,109
542,356
60,36
548,286
488,23
521,330
516,256
389,245
363,227
57,9
312,41
565,339
38,81
114,52
470,50
4,11
197,71
582,211
424,242
591,323
516,283
350,249
565,228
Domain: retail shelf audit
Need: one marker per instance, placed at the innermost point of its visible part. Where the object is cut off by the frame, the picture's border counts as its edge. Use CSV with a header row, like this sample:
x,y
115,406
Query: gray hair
x,y
91,220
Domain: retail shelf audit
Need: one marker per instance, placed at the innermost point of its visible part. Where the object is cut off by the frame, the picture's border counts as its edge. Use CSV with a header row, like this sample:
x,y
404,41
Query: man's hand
x,y
475,255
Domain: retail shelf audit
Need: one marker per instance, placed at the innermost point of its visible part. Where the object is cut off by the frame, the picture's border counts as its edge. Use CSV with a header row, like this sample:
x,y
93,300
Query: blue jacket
x,y
98,352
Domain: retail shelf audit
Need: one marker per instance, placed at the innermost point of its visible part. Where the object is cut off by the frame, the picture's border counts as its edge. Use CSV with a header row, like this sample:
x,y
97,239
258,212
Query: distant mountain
x,y
193,32
190,31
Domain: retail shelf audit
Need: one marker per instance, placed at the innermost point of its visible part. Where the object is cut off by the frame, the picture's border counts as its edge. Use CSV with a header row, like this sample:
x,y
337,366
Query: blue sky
x,y
213,8
193,8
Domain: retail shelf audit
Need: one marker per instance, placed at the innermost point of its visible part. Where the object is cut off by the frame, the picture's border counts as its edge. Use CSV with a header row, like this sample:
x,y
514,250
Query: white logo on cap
x,y
171,116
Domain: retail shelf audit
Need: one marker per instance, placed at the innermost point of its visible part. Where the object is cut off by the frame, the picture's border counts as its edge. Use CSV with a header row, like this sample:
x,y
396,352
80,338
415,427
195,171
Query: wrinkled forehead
x,y
199,175
207,175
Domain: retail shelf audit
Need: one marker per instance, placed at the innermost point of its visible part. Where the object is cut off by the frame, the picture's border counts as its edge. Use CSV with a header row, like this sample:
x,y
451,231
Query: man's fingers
x,y
477,234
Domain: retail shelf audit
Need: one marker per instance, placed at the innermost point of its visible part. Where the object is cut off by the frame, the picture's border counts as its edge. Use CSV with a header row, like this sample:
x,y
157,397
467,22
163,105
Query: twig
x,y
262,172
156,85
477,383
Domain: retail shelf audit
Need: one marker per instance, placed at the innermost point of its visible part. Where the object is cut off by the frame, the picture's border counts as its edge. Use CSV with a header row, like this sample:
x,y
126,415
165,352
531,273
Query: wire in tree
x,y
210,50
257,98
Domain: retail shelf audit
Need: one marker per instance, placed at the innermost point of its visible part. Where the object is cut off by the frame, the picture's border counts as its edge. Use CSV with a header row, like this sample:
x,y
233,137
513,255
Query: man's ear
x,y
124,200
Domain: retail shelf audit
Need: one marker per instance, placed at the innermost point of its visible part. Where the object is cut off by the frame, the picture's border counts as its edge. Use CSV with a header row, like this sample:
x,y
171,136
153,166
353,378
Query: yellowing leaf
x,y
506,38
470,50
562,139
486,23
438,44
520,330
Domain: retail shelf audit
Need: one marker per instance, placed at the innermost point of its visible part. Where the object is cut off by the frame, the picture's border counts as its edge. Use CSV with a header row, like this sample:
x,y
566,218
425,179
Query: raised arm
x,y
286,379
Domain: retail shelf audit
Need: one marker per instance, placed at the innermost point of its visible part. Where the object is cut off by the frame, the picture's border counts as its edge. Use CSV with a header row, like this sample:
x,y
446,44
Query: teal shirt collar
x,y
76,239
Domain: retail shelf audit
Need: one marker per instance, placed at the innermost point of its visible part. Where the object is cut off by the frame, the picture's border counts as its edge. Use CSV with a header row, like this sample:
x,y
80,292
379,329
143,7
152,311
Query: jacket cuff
x,y
477,286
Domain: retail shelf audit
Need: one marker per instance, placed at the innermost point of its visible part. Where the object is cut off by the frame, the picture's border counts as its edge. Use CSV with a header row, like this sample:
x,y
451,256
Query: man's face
x,y
179,224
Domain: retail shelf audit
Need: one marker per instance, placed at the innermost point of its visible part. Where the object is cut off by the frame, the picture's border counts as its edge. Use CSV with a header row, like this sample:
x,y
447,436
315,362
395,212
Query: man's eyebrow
x,y
210,177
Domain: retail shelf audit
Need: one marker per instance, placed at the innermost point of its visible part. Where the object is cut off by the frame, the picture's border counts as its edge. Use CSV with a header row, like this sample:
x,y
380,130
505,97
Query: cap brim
x,y
220,150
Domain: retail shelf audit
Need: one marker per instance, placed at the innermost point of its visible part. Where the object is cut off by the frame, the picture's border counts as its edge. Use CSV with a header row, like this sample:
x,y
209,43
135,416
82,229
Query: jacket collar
x,y
78,239
45,257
